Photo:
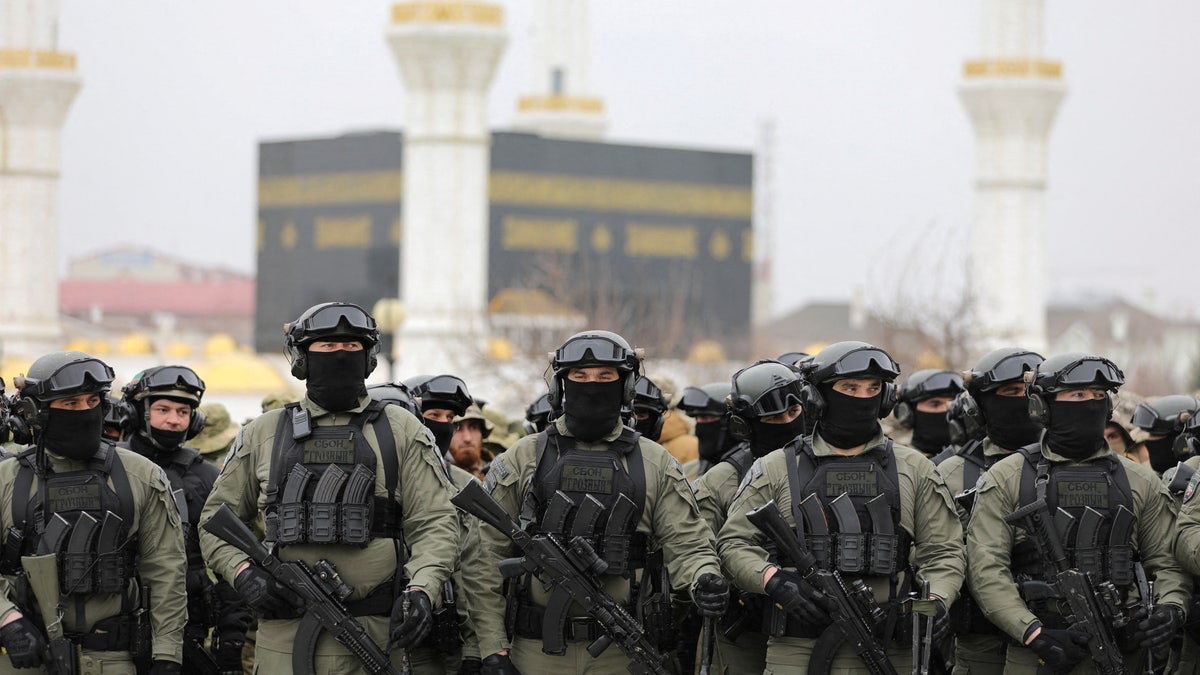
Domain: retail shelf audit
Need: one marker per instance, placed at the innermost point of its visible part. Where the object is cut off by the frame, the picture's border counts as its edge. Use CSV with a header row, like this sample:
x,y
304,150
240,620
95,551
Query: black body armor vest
x,y
88,519
322,484
741,458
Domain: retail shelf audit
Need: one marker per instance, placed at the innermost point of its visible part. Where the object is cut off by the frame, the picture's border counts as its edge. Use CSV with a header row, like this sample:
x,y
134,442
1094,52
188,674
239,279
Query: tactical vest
x,y
321,489
741,458
1100,485
975,462
854,545
602,475
77,516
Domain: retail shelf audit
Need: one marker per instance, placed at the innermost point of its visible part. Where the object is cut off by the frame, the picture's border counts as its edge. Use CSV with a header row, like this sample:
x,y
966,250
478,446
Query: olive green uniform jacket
x,y
670,519
159,535
430,524
990,540
926,512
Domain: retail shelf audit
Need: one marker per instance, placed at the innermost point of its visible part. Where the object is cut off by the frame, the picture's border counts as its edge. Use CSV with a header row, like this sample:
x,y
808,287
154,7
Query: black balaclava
x,y
767,437
931,431
711,437
1077,427
74,434
848,421
1007,420
443,432
335,379
651,427
1162,453
592,410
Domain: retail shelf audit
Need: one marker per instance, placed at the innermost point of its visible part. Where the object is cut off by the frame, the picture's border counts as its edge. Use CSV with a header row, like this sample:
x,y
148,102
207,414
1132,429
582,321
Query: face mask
x,y
168,440
651,427
443,432
1077,427
1162,453
711,437
1007,421
931,431
74,434
849,421
335,379
592,410
768,437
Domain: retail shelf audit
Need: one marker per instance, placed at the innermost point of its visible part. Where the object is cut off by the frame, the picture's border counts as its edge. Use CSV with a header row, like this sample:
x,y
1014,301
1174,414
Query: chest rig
x,y
836,499
321,488
77,516
741,458
1098,499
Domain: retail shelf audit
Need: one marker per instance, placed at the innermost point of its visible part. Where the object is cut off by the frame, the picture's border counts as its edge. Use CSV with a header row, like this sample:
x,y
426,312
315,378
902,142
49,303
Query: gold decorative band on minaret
x,y
36,58
559,103
448,12
1013,68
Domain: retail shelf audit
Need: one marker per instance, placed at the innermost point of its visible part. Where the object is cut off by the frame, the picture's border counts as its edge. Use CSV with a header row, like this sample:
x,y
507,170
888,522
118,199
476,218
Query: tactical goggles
x,y
1010,369
1088,372
694,400
594,350
945,383
78,377
772,402
171,377
647,395
863,362
445,389
334,318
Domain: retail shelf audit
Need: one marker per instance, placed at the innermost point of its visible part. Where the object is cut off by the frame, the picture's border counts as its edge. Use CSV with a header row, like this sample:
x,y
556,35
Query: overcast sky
x,y
873,151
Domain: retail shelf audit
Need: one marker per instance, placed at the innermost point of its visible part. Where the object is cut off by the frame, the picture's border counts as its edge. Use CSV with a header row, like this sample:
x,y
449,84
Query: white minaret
x,y
1011,94
447,53
37,85
561,105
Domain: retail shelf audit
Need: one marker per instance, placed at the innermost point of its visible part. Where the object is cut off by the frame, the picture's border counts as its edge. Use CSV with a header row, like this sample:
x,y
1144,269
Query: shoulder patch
x,y
755,472
1191,488
498,466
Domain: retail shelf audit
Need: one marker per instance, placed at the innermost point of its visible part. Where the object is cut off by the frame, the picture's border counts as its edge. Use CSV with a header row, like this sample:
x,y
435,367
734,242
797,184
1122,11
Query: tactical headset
x,y
594,348
966,419
847,360
1069,371
162,382
921,385
329,320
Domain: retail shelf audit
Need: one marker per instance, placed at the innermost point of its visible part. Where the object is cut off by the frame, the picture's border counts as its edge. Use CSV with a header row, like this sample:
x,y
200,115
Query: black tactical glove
x,y
796,596
711,595
1159,628
265,596
412,617
228,651
23,642
499,664
941,621
470,666
165,668
1060,648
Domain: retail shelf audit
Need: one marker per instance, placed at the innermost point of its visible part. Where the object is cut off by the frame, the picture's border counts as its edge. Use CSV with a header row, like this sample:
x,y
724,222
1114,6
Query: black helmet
x,y
1165,416
440,391
925,384
537,415
794,359
647,396
1069,371
395,393
589,349
174,382
1188,442
999,367
843,360
707,400
327,320
764,389
59,375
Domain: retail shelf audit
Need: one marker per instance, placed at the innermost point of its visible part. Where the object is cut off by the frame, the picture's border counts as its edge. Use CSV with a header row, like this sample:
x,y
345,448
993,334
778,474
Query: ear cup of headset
x,y
888,399
812,401
28,411
1039,410
739,427
904,414
196,425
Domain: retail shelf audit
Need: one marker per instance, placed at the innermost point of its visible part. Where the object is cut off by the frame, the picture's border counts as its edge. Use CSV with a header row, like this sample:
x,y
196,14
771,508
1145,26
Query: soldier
x,y
538,414
707,406
1162,422
161,406
108,514
925,398
396,558
1105,513
843,473
766,415
467,450
648,408
441,398
993,410
584,453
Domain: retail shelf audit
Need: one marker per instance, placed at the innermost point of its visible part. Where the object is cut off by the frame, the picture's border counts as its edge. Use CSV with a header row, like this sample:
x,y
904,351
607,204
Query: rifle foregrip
x,y
225,525
476,501
769,520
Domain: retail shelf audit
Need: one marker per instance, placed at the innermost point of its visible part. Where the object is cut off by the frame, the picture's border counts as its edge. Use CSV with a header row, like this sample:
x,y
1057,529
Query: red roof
x,y
233,297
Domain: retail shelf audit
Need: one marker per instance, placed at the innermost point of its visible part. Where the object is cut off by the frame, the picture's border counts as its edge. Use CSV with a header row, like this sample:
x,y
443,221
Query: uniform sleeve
x,y
938,554
713,492
430,524
1155,524
1187,526
163,567
740,543
688,543
989,556
6,521
237,487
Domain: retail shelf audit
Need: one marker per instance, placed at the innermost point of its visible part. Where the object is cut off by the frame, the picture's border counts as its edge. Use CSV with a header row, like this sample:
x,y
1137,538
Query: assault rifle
x,y
322,591
1092,605
574,568
852,606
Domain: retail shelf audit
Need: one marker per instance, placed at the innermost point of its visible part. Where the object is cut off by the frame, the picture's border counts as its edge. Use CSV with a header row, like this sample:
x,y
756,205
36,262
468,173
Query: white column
x,y
37,86
1012,95
447,54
